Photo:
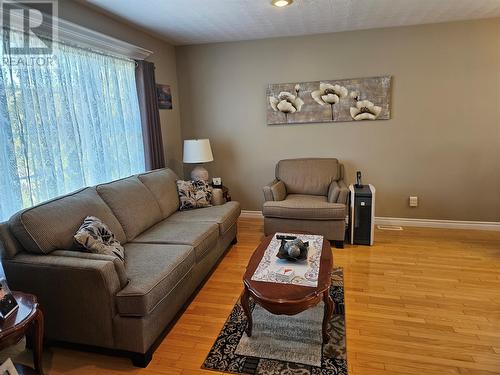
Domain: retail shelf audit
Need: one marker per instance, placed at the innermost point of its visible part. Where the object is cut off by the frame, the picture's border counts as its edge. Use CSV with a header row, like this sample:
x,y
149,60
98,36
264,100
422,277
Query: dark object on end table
x,y
8,304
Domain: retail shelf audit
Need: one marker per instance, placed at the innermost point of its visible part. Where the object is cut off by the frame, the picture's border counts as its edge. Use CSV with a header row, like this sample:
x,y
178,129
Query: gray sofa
x,y
308,195
95,299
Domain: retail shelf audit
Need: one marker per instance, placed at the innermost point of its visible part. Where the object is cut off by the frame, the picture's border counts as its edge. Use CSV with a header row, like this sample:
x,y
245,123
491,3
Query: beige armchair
x,y
308,195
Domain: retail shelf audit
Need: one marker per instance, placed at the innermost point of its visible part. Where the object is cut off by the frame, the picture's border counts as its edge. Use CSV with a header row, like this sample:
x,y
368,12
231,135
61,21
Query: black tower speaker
x,y
362,214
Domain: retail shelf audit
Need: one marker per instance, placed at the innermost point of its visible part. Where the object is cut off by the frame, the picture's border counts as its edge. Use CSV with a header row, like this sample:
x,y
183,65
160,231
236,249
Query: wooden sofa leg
x,y
142,359
338,244
234,241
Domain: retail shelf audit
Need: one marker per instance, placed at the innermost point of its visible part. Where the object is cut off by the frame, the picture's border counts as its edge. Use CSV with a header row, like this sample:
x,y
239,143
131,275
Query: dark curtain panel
x,y
150,115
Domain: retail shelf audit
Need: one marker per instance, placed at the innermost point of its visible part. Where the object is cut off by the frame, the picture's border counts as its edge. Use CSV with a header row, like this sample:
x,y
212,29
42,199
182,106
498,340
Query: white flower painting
x,y
365,110
329,94
358,99
286,102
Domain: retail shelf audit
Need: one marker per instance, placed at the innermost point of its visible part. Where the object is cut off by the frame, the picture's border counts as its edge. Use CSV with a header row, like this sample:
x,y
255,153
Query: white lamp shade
x,y
197,151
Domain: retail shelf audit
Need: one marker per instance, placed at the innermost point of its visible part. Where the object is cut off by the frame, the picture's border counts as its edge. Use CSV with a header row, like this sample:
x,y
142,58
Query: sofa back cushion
x,y
162,183
307,176
52,225
132,203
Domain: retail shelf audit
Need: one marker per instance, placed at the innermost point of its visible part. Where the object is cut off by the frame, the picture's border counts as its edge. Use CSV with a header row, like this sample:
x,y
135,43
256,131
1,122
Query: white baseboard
x,y
247,214
407,222
443,224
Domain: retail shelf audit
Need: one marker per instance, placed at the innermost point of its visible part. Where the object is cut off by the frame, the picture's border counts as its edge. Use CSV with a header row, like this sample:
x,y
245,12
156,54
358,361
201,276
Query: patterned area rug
x,y
274,355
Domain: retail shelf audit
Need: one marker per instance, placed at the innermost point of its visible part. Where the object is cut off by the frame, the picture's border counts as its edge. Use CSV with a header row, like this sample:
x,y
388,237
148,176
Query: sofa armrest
x,y
275,191
338,192
77,295
117,263
26,268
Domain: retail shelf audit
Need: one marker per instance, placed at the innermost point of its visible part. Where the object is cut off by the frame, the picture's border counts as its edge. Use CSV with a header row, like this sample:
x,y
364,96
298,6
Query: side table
x,y
221,194
27,320
225,193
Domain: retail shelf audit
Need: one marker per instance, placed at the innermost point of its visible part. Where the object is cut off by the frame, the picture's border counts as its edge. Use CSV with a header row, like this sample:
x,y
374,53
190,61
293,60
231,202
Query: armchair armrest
x,y
76,293
344,192
275,191
338,192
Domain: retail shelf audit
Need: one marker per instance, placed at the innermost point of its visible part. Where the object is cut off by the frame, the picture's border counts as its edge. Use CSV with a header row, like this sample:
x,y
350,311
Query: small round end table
x,y
27,320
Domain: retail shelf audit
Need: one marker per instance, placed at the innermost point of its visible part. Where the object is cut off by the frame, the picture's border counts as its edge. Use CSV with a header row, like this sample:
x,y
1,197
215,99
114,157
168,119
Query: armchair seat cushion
x,y
202,236
310,207
154,270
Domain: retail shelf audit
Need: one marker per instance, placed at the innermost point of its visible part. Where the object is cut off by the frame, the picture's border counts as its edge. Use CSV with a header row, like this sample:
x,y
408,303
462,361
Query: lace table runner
x,y
303,272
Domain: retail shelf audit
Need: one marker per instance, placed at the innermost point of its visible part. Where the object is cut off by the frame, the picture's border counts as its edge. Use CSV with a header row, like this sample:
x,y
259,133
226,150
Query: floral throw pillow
x,y
194,194
95,237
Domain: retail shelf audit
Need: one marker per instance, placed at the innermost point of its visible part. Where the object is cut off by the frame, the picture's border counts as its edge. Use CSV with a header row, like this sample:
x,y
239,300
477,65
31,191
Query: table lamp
x,y
198,151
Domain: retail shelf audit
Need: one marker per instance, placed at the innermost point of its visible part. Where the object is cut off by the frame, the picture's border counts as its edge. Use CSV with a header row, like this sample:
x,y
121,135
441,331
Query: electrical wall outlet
x,y
413,201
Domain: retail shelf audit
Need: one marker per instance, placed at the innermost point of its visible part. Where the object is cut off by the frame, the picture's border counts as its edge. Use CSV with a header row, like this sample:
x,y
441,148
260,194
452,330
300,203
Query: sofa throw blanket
x,y
194,194
95,237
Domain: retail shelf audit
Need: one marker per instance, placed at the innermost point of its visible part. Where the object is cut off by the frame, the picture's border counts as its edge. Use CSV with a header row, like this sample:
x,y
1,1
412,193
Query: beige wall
x,y
163,57
441,144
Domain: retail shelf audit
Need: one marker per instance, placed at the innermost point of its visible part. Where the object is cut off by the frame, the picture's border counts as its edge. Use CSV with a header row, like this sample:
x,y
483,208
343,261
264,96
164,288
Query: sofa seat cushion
x,y
162,183
153,270
51,225
202,236
224,215
310,207
133,204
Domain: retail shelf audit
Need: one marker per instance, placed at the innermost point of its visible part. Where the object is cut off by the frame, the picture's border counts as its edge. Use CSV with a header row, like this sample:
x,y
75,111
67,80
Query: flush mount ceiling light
x,y
281,3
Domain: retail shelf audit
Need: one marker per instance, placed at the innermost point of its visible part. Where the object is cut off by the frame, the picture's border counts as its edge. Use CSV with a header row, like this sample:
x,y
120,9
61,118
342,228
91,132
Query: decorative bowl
x,y
293,250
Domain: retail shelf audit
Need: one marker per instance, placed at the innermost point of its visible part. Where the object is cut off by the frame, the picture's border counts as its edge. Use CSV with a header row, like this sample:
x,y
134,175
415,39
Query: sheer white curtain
x,y
67,124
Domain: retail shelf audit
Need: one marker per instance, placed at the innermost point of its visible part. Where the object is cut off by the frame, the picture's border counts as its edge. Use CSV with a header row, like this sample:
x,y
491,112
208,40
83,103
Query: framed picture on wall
x,y
164,96
340,100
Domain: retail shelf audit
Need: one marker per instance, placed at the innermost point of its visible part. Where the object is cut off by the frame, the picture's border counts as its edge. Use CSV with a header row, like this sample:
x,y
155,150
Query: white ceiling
x,y
206,21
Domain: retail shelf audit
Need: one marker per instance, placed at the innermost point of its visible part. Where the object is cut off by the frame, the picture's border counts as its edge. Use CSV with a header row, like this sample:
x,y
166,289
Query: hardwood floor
x,y
420,301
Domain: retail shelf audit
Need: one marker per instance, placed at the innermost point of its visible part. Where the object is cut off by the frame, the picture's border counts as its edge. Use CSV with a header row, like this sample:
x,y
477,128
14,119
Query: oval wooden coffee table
x,y
288,299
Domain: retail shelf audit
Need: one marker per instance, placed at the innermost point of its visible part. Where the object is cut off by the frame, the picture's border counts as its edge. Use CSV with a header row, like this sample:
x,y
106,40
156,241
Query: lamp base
x,y
199,173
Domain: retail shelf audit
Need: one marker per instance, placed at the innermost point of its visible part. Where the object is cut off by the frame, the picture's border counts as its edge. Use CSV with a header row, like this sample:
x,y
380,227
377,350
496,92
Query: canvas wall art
x,y
164,96
356,99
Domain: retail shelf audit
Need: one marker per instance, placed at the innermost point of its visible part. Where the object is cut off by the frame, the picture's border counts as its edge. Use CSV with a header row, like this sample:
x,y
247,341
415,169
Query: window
x,y
69,123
